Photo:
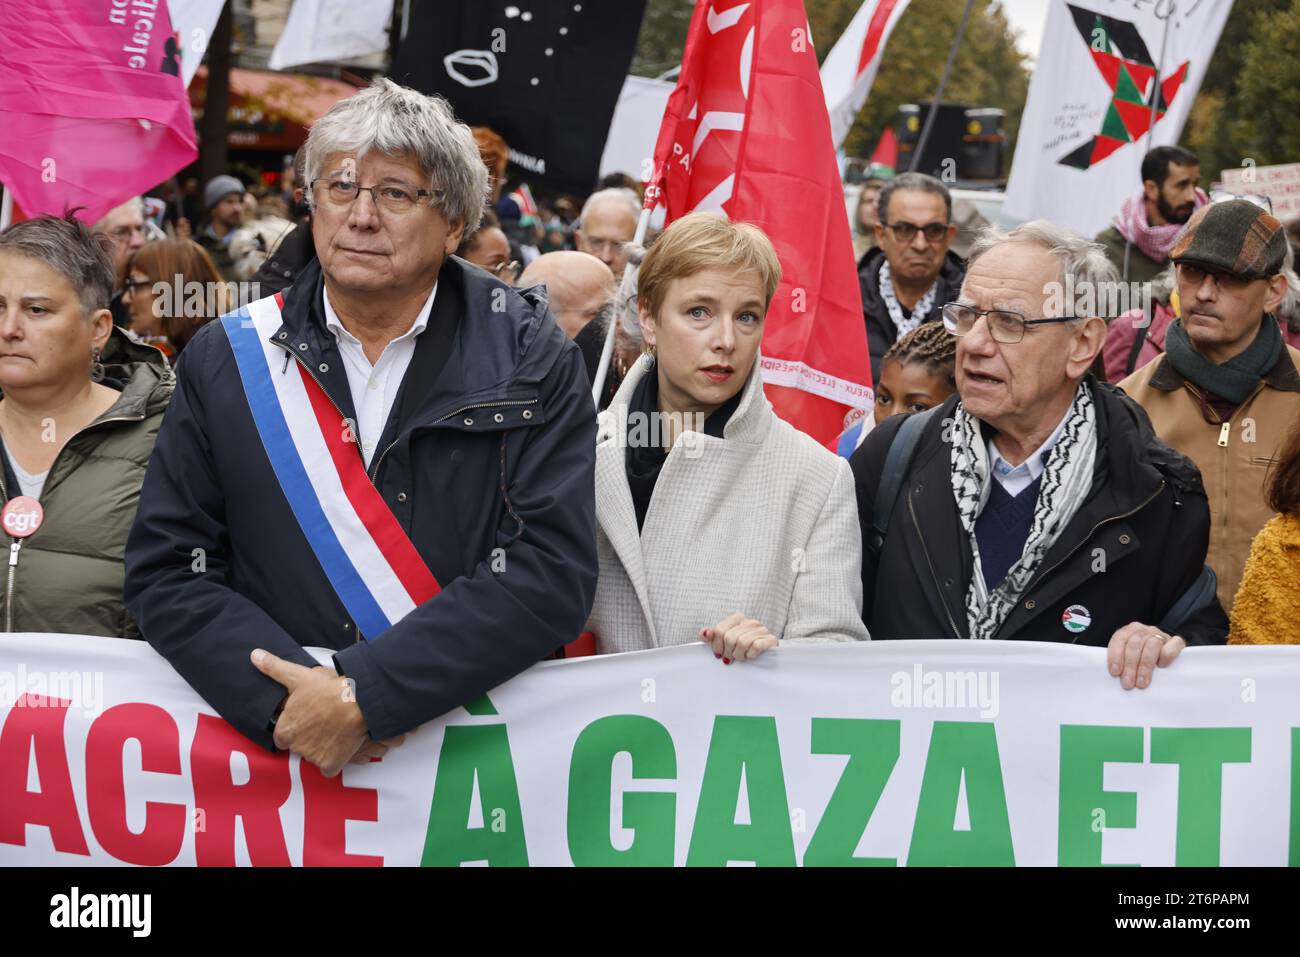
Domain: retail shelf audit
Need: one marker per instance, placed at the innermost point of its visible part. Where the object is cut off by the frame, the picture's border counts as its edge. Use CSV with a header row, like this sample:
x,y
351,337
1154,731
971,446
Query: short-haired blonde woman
x,y
716,520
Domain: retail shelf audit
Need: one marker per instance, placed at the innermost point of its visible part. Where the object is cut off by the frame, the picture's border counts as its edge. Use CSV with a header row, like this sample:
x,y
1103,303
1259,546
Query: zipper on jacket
x,y
352,426
935,578
9,588
15,545
356,439
1224,433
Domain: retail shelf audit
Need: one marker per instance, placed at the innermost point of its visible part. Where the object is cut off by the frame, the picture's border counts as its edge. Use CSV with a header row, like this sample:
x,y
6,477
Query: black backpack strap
x,y
1200,594
1138,339
897,461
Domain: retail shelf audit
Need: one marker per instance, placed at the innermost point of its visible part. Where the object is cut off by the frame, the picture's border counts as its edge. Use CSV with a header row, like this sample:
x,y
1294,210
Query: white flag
x,y
322,30
1084,130
193,22
850,68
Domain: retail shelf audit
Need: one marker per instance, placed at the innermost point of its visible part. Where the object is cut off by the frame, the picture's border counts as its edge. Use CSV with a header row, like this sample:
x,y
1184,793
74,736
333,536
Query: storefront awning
x,y
271,111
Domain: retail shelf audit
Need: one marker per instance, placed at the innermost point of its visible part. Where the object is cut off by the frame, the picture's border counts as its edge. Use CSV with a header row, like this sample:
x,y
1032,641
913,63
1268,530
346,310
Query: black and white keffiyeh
x,y
1067,479
903,324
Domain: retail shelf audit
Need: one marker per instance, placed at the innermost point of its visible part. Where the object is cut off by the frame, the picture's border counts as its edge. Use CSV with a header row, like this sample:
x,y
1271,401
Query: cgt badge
x,y
22,516
1076,619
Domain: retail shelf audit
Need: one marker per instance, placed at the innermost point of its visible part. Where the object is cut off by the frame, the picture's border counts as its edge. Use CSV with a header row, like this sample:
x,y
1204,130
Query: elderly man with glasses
x,y
1037,503
1226,392
125,229
912,271
393,461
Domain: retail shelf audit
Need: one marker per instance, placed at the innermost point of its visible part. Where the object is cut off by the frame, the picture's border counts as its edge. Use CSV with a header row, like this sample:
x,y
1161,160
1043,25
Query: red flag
x,y
746,133
886,153
91,103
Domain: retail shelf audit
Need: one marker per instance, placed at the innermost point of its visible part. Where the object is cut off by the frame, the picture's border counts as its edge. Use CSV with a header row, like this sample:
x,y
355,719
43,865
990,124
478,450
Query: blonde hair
x,y
705,241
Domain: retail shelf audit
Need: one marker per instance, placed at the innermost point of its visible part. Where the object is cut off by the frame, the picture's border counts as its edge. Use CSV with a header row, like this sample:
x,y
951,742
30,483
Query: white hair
x,y
1084,264
620,194
396,120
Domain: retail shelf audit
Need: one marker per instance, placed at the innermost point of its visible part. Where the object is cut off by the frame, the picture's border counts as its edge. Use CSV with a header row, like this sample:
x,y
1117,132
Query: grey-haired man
x,y
395,463
1037,503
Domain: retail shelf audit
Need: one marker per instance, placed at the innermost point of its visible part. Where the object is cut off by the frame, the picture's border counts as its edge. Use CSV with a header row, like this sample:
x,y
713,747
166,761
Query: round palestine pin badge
x,y
22,516
1076,618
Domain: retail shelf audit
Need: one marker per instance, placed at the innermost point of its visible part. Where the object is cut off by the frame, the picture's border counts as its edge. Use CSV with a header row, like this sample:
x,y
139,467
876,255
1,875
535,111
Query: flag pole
x,y
625,290
943,83
6,208
1151,124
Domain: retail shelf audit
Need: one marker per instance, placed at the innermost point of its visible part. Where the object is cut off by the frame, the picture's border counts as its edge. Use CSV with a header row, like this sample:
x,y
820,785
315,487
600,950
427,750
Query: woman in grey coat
x,y
716,520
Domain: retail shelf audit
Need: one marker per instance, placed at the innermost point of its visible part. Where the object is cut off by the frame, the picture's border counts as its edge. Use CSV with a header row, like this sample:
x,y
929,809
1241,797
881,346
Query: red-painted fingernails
x,y
716,655
726,661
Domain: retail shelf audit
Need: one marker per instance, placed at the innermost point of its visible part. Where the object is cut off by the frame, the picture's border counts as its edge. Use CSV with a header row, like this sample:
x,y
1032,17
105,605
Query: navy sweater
x,y
1002,528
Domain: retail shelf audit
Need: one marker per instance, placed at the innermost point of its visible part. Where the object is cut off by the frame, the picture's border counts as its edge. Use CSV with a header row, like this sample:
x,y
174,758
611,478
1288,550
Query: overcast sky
x,y
1027,18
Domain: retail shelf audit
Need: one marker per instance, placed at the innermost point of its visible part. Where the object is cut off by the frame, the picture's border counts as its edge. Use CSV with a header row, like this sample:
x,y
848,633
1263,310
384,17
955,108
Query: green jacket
x,y
69,574
1141,267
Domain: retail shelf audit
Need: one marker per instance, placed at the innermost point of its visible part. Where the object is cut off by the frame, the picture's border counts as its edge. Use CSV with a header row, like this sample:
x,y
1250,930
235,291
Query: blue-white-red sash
x,y
369,560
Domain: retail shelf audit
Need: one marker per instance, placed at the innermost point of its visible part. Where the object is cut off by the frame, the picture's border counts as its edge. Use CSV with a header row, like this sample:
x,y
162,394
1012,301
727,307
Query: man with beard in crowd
x,y
1149,222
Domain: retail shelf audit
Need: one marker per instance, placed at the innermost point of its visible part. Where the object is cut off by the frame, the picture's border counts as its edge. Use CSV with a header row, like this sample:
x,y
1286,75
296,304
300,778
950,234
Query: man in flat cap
x,y
1226,392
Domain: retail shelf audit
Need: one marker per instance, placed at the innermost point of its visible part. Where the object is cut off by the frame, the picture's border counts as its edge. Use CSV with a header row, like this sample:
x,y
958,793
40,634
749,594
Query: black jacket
x,y
881,333
488,466
1146,522
287,261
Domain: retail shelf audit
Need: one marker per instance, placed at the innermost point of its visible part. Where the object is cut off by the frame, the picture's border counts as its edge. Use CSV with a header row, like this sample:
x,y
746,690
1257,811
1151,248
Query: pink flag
x,y
92,104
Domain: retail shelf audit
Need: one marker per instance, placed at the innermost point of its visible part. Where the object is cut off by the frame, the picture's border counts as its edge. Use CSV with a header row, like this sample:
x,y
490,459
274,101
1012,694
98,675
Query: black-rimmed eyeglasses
x,y
390,197
906,232
1004,325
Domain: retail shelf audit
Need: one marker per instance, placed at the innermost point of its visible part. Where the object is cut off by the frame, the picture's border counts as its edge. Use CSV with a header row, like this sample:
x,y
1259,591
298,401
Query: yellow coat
x,y
1267,609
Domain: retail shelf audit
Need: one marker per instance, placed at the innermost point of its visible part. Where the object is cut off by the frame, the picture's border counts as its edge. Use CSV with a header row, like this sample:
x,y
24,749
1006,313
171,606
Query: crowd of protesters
x,y
1032,471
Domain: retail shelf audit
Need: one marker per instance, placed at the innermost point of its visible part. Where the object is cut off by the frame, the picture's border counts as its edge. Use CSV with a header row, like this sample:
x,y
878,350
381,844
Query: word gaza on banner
x,y
871,754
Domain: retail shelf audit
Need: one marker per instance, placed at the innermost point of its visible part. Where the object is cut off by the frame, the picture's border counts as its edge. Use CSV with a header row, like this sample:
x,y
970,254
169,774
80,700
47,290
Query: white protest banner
x,y
1281,184
850,68
193,22
323,31
916,752
1103,66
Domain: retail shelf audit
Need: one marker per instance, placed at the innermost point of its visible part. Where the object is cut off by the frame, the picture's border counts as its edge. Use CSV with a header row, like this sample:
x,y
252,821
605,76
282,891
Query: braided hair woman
x,y
918,372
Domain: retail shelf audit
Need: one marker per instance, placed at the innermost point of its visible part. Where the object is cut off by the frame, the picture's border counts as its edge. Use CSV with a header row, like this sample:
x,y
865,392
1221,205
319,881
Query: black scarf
x,y
1236,379
644,462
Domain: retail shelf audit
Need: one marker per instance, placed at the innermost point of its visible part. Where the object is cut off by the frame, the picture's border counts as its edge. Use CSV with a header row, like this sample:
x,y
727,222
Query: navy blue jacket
x,y
487,461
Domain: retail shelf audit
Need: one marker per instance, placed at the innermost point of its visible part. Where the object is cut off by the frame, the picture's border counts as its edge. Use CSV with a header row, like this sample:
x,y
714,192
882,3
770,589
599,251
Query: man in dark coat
x,y
471,412
911,272
1038,503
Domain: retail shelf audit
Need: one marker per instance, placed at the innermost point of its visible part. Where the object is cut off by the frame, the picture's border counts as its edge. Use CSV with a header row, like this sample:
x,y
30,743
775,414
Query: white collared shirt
x,y
1014,479
374,387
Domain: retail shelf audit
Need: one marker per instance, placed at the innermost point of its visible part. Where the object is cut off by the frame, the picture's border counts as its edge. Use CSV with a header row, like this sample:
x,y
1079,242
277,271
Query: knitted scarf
x,y
919,311
1067,479
1235,379
1154,241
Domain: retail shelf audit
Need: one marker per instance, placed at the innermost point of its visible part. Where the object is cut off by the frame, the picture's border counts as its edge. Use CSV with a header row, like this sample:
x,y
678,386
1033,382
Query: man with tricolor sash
x,y
393,459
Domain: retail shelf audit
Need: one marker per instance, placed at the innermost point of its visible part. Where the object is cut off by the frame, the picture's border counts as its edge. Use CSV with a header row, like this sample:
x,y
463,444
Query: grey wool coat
x,y
762,521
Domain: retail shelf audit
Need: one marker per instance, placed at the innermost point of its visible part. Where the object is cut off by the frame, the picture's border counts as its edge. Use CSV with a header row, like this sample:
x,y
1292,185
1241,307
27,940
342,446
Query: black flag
x,y
545,74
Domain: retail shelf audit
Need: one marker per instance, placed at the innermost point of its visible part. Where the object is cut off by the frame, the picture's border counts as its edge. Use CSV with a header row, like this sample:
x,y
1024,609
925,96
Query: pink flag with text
x,y
92,104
